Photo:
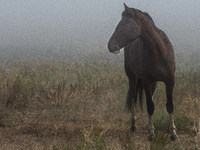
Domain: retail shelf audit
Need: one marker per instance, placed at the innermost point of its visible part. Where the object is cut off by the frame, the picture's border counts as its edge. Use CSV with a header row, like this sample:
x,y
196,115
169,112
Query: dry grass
x,y
60,105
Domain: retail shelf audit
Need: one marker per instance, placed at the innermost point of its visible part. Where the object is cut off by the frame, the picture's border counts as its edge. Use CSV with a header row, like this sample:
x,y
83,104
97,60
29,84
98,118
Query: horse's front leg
x,y
131,99
172,128
170,109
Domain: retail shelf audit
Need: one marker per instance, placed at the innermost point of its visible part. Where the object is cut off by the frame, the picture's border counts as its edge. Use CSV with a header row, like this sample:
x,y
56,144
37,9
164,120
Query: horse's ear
x,y
125,6
128,10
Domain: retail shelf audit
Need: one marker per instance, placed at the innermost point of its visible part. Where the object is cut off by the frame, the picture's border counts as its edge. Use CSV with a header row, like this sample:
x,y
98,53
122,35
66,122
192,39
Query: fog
x,y
36,27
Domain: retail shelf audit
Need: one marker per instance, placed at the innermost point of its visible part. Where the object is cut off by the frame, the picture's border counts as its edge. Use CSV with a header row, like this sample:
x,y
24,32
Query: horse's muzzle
x,y
113,48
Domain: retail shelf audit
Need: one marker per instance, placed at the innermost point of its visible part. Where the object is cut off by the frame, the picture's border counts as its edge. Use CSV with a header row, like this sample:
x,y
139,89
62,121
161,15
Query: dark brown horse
x,y
149,57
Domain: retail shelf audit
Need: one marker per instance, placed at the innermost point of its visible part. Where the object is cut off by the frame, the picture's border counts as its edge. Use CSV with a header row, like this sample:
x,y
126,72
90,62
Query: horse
x,y
148,58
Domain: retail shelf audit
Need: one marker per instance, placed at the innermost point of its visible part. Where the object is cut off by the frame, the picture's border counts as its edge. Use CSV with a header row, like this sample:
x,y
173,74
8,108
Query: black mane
x,y
136,11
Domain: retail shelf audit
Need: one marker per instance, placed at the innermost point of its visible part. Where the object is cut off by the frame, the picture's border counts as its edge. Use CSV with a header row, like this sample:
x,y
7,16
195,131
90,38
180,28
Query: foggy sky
x,y
89,24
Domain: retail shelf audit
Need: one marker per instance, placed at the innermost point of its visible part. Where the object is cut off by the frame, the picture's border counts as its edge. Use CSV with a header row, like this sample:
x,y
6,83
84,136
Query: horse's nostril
x,y
113,48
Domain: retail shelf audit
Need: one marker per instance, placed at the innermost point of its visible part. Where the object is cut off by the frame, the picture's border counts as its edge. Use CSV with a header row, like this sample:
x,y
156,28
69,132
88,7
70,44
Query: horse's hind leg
x,y
150,108
170,109
153,87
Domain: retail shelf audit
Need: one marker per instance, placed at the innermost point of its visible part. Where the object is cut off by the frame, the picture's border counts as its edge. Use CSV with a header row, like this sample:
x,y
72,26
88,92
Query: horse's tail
x,y
139,91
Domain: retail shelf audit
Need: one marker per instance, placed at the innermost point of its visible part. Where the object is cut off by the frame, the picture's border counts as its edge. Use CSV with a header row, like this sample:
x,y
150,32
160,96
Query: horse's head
x,y
126,31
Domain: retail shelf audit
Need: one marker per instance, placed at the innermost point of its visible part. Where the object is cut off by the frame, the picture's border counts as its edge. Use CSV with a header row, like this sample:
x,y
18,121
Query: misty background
x,y
76,29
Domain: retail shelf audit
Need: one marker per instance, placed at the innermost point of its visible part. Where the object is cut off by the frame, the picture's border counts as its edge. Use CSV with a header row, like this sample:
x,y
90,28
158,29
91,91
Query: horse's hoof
x,y
150,138
174,137
149,132
133,129
151,135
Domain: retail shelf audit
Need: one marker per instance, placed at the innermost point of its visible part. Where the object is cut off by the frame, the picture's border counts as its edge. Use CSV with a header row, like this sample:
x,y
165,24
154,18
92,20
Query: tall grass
x,y
60,100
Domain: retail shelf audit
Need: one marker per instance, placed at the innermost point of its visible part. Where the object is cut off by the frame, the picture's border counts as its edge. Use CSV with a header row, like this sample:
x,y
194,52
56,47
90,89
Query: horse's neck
x,y
151,35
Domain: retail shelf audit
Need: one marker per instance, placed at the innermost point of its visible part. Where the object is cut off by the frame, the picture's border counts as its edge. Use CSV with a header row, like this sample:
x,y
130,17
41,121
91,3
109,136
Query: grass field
x,y
54,104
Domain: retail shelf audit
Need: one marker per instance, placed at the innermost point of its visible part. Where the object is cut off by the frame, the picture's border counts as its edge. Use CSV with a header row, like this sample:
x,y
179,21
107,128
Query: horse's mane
x,y
136,11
